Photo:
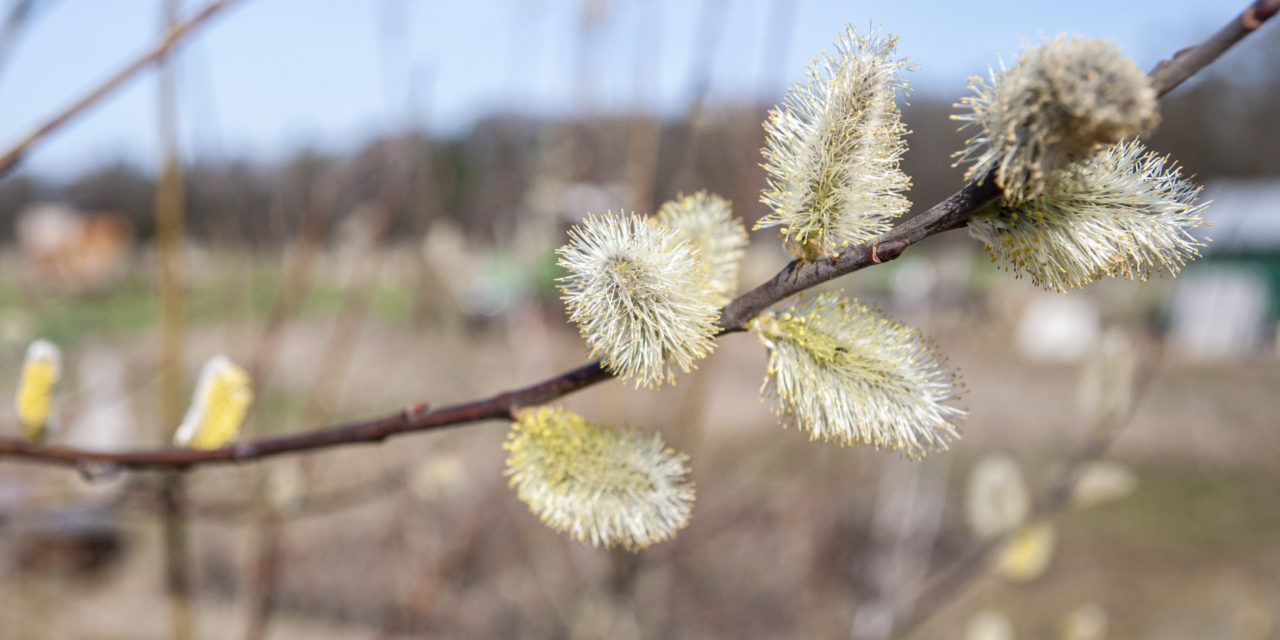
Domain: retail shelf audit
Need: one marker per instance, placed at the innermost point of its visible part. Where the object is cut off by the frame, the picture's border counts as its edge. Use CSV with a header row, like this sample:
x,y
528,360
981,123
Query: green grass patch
x,y
132,307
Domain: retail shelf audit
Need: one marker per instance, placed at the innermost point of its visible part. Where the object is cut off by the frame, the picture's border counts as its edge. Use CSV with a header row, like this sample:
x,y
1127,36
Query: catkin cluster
x,y
1082,199
646,292
1059,104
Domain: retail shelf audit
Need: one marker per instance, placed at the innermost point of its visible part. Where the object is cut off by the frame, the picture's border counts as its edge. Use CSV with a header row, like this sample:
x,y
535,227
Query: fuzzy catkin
x,y
41,370
846,374
706,222
1059,103
602,486
833,149
1125,212
640,295
218,406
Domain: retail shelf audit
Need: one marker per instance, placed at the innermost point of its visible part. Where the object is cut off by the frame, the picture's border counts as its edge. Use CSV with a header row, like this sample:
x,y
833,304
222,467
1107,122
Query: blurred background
x,y
358,202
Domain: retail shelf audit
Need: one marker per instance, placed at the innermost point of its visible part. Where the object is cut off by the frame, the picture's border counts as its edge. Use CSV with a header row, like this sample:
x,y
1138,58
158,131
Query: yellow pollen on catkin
x,y
40,373
1125,212
847,375
218,407
602,486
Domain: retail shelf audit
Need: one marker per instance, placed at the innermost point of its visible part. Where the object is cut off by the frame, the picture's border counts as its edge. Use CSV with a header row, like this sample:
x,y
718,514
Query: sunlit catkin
x,y
846,374
602,486
706,222
1124,212
218,406
41,370
833,148
640,295
1057,105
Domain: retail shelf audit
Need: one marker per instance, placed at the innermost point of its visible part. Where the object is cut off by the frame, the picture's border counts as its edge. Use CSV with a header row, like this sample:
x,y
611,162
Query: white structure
x,y
1224,306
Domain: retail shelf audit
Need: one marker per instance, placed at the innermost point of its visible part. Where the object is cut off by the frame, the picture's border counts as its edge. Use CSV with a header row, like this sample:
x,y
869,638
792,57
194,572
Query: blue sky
x,y
269,76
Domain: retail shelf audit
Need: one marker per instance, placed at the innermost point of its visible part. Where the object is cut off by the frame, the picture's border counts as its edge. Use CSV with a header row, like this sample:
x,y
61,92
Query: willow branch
x,y
414,418
952,213
157,53
1185,63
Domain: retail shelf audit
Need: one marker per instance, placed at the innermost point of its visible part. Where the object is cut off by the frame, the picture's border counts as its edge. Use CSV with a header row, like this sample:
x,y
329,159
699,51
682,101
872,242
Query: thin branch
x,y
415,418
17,19
170,211
10,159
1172,72
952,213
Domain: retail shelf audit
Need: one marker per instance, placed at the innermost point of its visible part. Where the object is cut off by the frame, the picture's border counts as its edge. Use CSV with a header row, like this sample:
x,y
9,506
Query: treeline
x,y
508,169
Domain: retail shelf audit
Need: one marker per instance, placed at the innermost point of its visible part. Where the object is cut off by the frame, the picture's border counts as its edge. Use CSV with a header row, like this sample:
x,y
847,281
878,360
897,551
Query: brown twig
x,y
1185,63
952,213
157,53
414,418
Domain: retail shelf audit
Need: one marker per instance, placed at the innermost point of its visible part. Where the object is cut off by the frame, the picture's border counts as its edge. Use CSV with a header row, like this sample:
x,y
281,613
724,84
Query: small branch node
x,y
414,413
1250,18
884,252
243,451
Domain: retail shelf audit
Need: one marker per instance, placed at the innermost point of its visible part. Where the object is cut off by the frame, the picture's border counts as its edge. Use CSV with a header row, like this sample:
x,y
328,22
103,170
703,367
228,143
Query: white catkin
x,y
846,374
1059,103
706,222
640,295
603,486
833,149
1124,212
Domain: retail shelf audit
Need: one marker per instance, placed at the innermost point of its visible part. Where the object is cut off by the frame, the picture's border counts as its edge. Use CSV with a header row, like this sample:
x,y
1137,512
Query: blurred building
x,y
1225,305
67,251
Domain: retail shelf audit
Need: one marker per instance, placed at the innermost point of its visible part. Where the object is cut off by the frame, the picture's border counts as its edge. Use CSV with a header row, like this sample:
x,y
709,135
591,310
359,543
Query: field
x,y
420,537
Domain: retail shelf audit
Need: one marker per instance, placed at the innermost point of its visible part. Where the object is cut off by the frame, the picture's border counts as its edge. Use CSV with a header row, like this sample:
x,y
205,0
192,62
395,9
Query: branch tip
x,y
1264,10
886,251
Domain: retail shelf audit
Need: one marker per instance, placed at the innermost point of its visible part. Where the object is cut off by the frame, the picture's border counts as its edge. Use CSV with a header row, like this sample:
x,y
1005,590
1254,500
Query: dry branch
x,y
156,54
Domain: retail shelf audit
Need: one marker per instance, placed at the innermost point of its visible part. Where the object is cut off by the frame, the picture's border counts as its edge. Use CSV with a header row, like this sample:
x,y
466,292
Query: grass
x,y
131,307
